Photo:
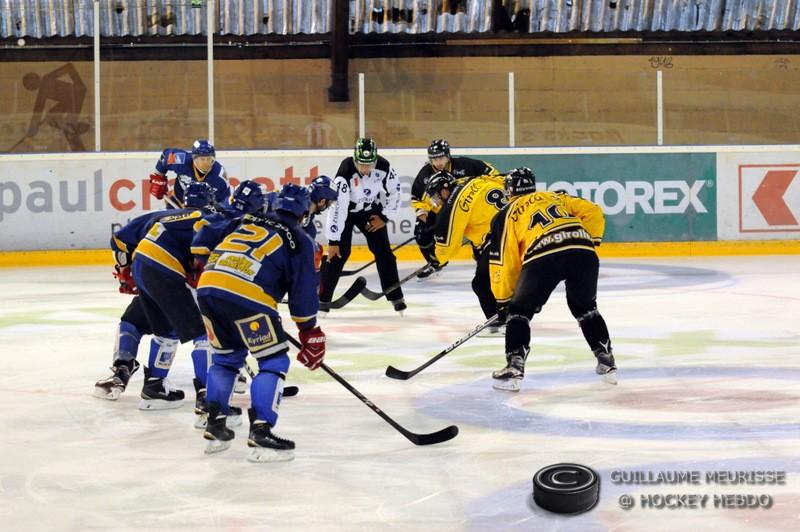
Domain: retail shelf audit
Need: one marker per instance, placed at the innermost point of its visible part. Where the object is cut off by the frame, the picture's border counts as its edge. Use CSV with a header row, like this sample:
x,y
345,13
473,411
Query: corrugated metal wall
x,y
48,18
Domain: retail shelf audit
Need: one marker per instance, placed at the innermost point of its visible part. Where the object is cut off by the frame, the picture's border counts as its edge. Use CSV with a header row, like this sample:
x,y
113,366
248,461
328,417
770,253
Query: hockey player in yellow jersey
x,y
538,240
440,160
466,212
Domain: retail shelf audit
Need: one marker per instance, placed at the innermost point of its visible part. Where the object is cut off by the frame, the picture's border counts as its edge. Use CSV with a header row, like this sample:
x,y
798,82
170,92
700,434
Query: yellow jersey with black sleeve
x,y
462,168
467,215
536,225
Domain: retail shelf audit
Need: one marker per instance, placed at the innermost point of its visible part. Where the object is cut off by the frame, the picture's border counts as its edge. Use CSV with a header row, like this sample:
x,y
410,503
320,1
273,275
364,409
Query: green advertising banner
x,y
646,197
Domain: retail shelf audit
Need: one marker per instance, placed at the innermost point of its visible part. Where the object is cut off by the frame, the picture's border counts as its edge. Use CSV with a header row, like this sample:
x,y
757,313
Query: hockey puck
x,y
566,488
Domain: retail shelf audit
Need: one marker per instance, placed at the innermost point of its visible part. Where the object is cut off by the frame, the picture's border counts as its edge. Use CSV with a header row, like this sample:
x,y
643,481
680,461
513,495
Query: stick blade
x,y
394,373
440,436
369,294
290,391
358,285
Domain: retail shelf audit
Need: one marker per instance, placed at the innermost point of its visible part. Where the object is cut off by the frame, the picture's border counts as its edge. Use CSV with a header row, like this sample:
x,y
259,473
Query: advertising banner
x,y
759,195
646,197
74,201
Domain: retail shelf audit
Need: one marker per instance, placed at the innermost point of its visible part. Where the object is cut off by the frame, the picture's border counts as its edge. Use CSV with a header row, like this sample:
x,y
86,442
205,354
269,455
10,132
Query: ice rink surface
x,y
709,358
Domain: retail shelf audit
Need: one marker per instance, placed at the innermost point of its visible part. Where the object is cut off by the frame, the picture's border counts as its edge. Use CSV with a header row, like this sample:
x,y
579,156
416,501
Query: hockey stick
x,y
356,288
367,265
394,373
447,433
350,294
374,296
288,391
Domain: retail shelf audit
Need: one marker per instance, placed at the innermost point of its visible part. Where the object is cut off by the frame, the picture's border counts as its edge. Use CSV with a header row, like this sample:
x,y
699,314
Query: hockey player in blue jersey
x,y
198,165
134,322
238,293
323,194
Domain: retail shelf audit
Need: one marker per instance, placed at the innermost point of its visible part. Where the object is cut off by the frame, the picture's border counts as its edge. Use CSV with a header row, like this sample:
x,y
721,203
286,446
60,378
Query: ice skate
x,y
399,305
606,367
495,330
112,387
510,377
266,446
431,272
158,395
219,436
201,417
240,386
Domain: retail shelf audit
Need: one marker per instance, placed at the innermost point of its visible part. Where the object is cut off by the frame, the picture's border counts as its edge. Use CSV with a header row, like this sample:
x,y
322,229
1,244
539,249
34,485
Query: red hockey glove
x,y
126,283
193,275
317,256
158,185
313,349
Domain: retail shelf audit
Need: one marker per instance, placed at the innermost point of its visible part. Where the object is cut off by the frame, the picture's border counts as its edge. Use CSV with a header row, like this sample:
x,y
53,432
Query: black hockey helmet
x,y
440,181
439,148
520,181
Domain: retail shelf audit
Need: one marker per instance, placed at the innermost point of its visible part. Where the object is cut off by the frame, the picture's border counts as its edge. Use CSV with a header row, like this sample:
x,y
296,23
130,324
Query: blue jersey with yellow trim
x,y
167,243
126,239
259,262
216,227
180,162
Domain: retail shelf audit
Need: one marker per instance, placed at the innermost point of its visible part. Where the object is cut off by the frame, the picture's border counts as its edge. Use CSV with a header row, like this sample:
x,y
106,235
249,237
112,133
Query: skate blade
x,y
610,377
507,385
200,422
217,446
240,387
234,421
263,455
158,404
110,395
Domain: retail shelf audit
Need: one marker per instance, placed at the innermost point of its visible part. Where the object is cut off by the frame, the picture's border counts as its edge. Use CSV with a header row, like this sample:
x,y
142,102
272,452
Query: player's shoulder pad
x,y
291,236
383,164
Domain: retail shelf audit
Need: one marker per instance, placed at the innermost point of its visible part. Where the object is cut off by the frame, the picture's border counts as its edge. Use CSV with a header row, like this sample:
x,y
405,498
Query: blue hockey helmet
x,y
199,194
248,198
293,199
321,188
203,148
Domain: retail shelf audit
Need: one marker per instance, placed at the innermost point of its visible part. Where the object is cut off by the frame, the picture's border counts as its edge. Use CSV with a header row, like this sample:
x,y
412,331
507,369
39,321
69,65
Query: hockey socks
x,y
127,344
162,353
201,359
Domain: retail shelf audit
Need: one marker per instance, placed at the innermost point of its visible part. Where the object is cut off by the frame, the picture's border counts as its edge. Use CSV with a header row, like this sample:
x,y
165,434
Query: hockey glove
x,y
193,275
313,348
158,185
126,283
318,252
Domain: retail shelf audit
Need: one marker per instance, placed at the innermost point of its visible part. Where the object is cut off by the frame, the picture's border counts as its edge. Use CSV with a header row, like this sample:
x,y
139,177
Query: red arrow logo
x,y
768,197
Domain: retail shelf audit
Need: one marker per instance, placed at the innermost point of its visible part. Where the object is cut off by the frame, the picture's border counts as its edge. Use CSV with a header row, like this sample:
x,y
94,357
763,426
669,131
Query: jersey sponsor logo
x,y
334,228
560,237
630,197
241,265
468,195
178,158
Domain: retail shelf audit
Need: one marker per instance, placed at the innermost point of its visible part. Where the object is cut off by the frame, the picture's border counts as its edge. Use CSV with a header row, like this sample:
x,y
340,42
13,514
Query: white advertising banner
x,y
74,201
758,196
